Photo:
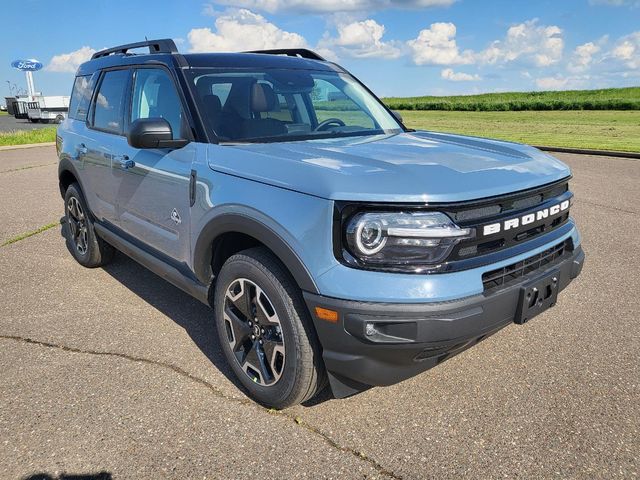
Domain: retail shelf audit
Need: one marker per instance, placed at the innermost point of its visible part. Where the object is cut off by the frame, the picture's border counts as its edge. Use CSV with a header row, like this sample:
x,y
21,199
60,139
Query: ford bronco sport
x,y
333,243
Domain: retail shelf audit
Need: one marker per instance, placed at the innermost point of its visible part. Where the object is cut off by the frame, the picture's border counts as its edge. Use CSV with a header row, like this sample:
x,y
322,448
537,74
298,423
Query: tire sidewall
x,y
283,305
92,254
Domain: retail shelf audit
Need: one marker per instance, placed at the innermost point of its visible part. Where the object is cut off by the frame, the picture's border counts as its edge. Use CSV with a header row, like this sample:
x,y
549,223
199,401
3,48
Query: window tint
x,y
109,102
80,98
155,96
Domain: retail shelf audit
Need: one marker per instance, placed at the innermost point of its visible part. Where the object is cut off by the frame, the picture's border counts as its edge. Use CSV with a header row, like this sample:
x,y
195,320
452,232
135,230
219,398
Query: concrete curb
x,y
28,145
586,151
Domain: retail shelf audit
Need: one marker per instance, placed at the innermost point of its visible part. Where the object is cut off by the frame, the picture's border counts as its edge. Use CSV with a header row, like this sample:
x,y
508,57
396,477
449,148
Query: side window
x,y
155,96
80,98
222,91
330,102
282,111
109,103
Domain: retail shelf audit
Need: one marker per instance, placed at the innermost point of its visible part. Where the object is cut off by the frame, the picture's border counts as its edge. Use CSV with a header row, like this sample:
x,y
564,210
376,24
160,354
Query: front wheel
x,y
265,330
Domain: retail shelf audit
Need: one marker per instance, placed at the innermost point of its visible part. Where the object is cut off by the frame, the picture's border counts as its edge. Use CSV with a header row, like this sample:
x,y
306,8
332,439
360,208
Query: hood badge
x,y
175,216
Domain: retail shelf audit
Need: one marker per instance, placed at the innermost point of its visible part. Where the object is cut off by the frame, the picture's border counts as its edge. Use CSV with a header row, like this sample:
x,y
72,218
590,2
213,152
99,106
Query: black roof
x,y
165,52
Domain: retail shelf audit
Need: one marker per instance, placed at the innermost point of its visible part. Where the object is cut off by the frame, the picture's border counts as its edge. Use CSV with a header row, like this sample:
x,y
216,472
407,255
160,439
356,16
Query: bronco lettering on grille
x,y
527,219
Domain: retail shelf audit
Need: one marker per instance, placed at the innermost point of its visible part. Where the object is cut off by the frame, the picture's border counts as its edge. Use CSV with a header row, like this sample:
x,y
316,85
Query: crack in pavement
x,y
27,167
617,209
219,393
22,236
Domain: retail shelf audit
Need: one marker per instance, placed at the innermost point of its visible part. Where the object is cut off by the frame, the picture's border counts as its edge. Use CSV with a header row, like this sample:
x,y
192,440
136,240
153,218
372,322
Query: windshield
x,y
276,105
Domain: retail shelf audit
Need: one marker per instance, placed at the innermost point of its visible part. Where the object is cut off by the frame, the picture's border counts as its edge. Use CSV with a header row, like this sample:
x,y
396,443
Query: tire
x,y
290,369
85,245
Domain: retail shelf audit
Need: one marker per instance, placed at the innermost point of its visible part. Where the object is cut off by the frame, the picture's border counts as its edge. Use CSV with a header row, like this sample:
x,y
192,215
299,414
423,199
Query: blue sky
x,y
399,48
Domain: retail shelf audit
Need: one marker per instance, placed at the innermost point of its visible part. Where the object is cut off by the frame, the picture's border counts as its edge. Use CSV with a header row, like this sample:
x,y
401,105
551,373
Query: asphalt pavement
x,y
9,123
113,371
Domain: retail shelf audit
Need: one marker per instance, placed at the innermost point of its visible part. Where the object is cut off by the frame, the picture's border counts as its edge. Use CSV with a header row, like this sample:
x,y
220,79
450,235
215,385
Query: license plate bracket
x,y
537,296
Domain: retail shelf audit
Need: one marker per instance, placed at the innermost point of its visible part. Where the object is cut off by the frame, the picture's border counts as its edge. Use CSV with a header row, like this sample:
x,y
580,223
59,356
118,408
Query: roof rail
x,y
292,52
164,45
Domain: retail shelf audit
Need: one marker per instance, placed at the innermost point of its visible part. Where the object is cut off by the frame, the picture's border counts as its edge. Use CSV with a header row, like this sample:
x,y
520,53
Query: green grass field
x,y
23,137
606,99
601,130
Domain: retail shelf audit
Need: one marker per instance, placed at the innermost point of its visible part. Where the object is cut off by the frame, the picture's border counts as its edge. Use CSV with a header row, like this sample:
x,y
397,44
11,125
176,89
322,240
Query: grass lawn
x,y
23,137
602,130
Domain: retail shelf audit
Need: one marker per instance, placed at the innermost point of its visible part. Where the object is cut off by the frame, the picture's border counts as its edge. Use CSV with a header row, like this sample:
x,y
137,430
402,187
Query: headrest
x,y
204,85
212,103
263,98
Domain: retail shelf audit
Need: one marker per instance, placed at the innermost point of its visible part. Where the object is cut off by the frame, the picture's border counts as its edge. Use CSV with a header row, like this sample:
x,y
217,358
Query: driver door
x,y
153,199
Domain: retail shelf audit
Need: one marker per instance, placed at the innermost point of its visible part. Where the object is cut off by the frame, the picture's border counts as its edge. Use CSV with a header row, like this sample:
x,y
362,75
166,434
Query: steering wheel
x,y
324,124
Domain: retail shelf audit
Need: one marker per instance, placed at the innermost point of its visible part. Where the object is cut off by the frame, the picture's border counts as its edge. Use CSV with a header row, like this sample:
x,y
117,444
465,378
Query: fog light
x,y
370,329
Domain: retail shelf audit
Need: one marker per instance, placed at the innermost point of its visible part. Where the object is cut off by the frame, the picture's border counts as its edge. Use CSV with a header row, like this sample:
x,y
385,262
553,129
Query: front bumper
x,y
385,343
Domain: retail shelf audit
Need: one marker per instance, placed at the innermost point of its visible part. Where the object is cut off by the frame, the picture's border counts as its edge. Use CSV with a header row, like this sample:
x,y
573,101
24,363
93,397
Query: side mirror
x,y
397,115
153,133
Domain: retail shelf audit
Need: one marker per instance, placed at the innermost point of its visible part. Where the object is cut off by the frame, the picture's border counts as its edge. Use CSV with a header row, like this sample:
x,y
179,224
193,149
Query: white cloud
x,y
541,45
437,45
528,43
360,40
449,74
616,3
627,50
552,83
325,6
69,62
238,30
560,82
583,56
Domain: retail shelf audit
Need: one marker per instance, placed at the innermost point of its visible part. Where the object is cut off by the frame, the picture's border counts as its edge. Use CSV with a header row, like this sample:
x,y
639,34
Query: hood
x,y
407,167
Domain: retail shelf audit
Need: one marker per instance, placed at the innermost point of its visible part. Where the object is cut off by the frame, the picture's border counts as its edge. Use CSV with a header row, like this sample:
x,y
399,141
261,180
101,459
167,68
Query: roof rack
x,y
164,45
291,52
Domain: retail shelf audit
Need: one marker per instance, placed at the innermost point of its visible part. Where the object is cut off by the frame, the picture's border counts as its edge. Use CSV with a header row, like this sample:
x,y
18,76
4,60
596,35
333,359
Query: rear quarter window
x,y
108,109
81,97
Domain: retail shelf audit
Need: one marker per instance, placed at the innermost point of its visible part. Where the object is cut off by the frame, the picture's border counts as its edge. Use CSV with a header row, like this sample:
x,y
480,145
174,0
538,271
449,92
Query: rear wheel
x,y
265,330
82,241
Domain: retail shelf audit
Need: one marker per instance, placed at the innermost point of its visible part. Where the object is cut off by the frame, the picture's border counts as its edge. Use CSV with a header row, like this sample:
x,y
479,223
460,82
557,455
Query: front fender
x,y
255,224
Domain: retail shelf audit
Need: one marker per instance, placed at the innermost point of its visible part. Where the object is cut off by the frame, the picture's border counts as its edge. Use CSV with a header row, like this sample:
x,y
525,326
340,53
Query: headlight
x,y
402,238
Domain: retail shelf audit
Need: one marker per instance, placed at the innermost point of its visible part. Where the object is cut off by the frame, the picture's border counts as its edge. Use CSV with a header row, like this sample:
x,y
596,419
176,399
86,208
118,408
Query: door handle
x,y
125,162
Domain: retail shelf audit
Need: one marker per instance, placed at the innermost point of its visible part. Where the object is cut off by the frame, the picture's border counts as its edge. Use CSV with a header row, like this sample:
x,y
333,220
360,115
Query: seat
x,y
225,122
263,99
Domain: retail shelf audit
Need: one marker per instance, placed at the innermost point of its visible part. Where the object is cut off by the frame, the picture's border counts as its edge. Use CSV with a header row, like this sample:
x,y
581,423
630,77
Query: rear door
x,y
103,148
153,198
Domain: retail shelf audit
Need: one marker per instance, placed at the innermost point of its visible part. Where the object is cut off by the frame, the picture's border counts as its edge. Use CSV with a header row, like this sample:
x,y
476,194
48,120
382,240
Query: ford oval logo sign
x,y
27,65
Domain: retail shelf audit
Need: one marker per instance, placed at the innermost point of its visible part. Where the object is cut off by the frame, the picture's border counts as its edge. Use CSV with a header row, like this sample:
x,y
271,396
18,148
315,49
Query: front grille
x,y
497,211
507,275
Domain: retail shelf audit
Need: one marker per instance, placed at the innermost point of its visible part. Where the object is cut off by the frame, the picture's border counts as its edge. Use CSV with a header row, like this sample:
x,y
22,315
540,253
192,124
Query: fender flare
x,y
241,223
66,165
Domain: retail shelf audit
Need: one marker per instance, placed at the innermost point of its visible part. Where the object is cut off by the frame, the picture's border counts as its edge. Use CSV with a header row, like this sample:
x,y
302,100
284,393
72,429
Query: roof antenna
x,y
146,39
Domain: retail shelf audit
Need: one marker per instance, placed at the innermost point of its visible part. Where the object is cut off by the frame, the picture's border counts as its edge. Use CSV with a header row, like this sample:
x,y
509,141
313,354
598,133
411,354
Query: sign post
x,y
28,67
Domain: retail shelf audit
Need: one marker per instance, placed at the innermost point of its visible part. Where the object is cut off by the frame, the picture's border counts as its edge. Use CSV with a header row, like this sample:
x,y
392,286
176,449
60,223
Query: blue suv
x,y
333,243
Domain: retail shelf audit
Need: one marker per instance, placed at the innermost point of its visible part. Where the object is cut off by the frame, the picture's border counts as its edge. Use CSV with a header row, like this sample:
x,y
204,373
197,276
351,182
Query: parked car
x,y
332,245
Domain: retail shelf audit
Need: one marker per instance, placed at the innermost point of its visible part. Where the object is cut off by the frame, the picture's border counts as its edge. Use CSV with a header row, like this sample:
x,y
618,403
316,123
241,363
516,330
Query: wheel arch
x,y
245,227
67,174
